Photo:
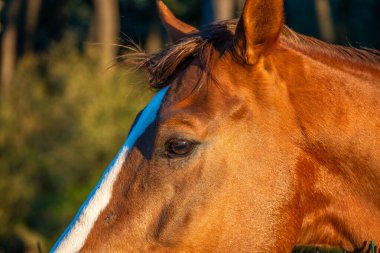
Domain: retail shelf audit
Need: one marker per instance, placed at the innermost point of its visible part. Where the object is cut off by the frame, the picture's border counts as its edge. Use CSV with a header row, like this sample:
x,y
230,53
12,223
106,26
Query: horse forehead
x,y
204,90
202,74
194,109
198,118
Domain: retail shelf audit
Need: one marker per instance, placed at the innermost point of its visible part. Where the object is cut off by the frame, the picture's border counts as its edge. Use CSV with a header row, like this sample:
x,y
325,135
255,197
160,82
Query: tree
x,y
216,10
32,15
325,20
107,25
9,45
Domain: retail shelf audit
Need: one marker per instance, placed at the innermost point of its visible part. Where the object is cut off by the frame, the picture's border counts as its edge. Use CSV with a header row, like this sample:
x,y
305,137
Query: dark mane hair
x,y
161,66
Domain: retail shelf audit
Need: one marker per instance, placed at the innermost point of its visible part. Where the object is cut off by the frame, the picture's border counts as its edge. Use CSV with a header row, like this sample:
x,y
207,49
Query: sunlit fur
x,y
288,149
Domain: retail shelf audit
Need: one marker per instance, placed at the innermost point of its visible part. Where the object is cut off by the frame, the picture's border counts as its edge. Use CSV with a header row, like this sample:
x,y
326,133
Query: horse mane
x,y
163,65
306,44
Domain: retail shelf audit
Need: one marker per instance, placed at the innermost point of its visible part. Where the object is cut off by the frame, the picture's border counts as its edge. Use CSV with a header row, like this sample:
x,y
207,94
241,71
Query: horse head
x,y
259,139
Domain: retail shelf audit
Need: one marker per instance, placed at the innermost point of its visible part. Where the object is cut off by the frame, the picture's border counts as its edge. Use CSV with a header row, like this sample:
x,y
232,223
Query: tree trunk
x,y
217,10
224,9
325,20
1,14
32,15
9,46
153,41
107,29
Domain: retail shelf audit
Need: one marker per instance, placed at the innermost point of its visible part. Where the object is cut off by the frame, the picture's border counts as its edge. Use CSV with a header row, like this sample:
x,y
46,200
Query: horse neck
x,y
337,108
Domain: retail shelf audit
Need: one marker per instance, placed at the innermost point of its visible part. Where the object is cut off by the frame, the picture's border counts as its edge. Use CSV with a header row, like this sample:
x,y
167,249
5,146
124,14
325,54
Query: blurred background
x,y
65,110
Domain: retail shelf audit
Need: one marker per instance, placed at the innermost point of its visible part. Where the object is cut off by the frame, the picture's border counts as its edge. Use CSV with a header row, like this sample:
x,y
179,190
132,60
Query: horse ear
x,y
258,29
176,28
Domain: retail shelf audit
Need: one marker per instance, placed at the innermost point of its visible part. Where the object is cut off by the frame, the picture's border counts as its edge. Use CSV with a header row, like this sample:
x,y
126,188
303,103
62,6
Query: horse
x,y
259,139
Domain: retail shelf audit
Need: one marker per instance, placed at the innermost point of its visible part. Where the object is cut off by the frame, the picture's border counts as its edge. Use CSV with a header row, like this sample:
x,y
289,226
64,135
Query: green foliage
x,y
60,125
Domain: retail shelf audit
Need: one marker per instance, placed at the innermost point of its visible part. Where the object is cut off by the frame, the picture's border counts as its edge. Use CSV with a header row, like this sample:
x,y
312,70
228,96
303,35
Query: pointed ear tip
x,y
176,28
160,4
161,7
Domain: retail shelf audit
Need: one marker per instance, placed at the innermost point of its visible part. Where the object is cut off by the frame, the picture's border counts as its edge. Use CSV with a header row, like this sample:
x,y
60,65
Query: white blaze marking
x,y
75,235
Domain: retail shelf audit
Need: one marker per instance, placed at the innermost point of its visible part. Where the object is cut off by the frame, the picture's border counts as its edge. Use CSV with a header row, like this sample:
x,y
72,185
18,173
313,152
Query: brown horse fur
x,y
288,145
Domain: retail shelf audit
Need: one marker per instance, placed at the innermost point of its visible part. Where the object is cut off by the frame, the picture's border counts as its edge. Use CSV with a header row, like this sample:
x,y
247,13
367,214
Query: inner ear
x,y
176,28
258,29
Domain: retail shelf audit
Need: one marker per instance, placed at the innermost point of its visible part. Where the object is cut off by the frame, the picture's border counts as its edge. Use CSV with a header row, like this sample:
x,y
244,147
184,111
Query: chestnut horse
x,y
260,139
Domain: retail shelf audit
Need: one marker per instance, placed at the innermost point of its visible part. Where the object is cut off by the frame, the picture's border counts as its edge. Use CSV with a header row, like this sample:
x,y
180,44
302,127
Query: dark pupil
x,y
180,147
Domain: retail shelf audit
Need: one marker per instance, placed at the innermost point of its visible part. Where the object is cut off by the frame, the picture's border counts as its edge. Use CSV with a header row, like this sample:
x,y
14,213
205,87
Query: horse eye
x,y
179,148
